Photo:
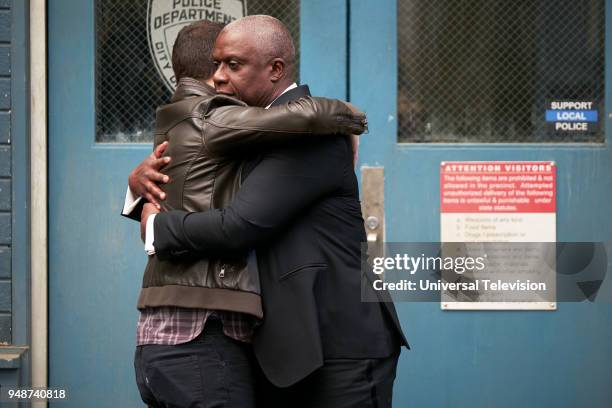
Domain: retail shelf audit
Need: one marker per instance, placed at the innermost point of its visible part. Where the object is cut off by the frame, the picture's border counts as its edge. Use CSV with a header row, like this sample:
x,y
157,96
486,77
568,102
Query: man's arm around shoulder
x,y
286,182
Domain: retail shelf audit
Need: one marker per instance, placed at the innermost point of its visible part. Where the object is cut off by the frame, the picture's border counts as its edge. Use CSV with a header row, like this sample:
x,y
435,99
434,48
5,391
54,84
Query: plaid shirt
x,y
170,325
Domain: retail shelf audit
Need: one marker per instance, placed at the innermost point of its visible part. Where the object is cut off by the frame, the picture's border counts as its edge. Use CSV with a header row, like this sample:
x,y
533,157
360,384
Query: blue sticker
x,y
571,116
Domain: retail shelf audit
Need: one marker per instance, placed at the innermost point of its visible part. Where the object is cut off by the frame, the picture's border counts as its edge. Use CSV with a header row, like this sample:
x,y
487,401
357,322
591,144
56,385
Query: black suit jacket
x,y
299,207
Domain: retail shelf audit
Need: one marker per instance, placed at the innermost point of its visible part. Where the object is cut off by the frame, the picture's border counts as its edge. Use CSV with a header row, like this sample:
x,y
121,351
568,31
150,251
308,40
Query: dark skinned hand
x,y
144,179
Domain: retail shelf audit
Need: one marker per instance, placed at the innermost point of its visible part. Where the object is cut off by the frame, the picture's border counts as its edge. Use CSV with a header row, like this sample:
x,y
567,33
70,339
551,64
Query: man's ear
x,y
277,69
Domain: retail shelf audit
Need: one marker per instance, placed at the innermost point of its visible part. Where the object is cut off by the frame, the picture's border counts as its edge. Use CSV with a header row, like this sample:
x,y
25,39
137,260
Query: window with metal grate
x,y
129,86
489,71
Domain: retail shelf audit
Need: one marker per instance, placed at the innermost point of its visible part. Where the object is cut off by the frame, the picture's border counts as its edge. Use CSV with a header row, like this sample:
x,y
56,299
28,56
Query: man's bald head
x,y
272,37
254,58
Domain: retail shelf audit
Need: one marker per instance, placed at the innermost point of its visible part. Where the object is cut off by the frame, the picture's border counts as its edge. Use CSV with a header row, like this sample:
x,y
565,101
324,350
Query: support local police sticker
x,y
572,116
165,18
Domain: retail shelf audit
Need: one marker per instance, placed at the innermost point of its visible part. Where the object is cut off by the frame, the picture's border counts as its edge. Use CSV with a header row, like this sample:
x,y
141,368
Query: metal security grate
x,y
486,71
128,85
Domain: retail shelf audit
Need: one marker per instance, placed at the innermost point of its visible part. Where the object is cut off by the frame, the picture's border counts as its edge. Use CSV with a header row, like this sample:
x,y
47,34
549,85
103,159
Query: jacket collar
x,y
292,95
189,87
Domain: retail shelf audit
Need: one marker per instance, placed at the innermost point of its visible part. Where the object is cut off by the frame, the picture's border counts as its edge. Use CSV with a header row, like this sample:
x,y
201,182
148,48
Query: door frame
x,y
38,193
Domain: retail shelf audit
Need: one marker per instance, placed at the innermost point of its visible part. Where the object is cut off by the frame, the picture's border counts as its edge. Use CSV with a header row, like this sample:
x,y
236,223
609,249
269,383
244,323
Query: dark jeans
x,y
340,383
212,370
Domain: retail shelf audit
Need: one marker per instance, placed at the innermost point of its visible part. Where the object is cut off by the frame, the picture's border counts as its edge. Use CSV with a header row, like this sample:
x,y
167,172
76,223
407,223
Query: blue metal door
x,y
96,259
498,359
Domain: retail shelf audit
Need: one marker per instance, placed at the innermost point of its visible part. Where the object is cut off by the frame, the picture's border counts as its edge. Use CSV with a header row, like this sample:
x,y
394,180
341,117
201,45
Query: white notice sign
x,y
498,202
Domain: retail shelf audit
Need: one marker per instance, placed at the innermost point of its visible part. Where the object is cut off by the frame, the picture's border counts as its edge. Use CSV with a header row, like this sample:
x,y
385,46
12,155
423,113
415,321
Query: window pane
x,y
128,85
488,70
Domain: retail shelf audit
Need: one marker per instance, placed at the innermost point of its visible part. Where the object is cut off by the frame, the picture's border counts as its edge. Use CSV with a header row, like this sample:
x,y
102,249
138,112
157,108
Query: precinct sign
x,y
572,116
165,18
